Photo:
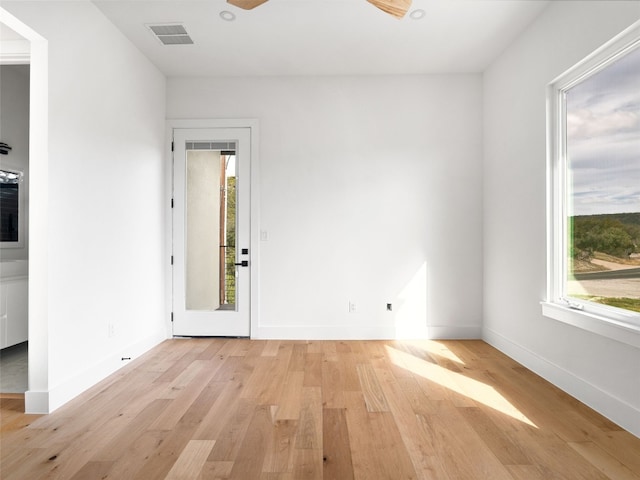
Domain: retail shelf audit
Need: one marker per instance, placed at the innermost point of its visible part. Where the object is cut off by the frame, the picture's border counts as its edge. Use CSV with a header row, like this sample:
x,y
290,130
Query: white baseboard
x,y
319,332
616,410
360,332
47,401
455,332
36,402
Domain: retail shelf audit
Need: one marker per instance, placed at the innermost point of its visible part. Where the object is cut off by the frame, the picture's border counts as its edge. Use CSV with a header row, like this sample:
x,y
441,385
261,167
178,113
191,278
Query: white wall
x,y
104,225
601,372
370,192
14,131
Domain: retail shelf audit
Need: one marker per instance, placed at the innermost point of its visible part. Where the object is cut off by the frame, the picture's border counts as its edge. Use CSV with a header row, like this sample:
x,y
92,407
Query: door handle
x,y
243,263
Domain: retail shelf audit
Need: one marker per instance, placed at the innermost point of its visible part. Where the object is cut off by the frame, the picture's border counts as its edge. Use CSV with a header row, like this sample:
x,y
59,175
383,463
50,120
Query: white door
x,y
211,232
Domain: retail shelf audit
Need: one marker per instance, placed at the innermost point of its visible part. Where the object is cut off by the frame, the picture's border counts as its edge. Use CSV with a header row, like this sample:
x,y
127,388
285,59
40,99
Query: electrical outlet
x,y
353,308
389,307
112,329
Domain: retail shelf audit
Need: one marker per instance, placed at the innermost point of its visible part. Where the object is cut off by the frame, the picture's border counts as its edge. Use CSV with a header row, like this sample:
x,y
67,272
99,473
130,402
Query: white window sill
x,y
616,330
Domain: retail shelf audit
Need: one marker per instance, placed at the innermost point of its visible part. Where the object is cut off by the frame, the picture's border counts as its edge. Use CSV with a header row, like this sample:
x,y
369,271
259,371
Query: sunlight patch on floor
x,y
473,389
434,347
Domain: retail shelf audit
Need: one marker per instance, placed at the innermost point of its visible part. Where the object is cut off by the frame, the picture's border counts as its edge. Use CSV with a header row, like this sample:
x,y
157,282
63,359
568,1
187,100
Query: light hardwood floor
x,y
267,410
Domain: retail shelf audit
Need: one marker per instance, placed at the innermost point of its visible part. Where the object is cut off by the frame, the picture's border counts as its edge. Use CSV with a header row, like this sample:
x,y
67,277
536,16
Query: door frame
x,y
254,241
37,397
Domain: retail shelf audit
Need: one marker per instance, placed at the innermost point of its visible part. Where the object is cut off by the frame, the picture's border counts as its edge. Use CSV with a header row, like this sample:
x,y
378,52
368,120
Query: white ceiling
x,y
324,37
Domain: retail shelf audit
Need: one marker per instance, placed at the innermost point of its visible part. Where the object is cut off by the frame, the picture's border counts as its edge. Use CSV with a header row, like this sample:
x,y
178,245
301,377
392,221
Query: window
x,y
11,208
594,191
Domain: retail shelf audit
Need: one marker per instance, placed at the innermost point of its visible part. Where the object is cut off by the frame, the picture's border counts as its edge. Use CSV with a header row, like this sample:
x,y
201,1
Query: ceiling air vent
x,y
171,34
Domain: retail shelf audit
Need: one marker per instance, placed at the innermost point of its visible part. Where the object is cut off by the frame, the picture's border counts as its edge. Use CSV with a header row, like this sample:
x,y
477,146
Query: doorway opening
x,y
14,231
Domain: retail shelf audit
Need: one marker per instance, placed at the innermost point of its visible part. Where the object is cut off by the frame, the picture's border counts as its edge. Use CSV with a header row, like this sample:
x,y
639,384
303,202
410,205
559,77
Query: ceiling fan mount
x,y
396,8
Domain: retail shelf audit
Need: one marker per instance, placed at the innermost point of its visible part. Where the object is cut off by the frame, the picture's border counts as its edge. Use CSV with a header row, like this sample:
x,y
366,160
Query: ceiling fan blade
x,y
246,4
397,8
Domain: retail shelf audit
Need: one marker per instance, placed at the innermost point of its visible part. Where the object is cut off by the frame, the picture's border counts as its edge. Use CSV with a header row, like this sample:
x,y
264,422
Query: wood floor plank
x,y
296,363
219,411
463,453
313,369
527,472
607,464
437,383
309,433
202,404
357,347
180,382
212,351
215,471
307,464
290,401
159,461
122,398
80,440
280,449
164,356
13,417
277,476
349,372
335,439
314,346
28,463
134,458
253,348
250,458
540,441
297,410
329,351
177,368
119,443
191,460
228,349
373,394
190,392
547,451
231,435
502,446
419,445
92,470
623,446
277,376
419,402
271,349
260,380
376,352
343,347
332,384
231,369
593,417
377,450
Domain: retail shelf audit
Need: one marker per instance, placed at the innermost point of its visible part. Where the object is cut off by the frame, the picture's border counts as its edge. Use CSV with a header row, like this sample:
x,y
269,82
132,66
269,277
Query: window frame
x,y
19,243
611,322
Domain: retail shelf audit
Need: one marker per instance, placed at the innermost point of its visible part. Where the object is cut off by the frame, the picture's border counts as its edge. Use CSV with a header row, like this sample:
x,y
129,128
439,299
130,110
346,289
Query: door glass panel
x,y
228,233
210,228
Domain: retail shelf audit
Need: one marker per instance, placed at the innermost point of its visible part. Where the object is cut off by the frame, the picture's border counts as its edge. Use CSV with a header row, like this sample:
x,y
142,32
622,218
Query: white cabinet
x,y
14,322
